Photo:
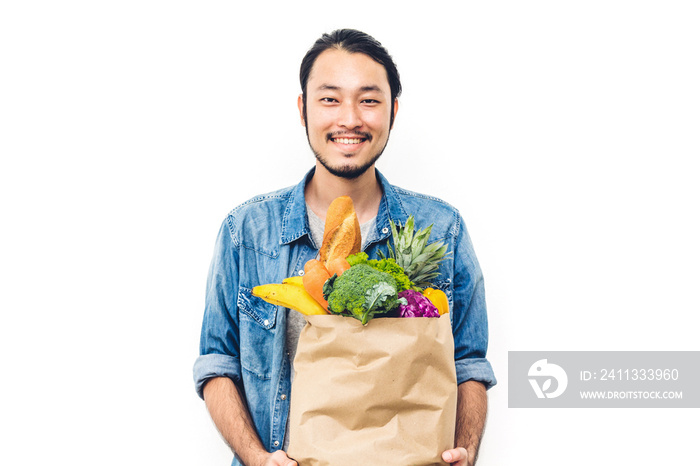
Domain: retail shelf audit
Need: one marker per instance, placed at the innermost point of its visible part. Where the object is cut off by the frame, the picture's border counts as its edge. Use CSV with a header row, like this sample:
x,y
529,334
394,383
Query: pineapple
x,y
418,260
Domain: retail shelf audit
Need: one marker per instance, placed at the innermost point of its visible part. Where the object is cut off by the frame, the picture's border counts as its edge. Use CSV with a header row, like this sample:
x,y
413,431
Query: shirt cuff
x,y
208,366
478,369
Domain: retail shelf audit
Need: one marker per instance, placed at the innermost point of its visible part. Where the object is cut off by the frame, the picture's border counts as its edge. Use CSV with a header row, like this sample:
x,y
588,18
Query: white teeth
x,y
348,141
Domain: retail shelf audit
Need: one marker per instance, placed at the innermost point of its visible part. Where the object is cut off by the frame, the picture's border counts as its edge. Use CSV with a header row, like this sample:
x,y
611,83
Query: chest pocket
x,y
257,320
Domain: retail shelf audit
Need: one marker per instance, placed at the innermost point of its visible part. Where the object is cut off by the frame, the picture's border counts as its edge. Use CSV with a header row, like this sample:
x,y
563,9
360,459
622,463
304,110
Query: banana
x,y
296,280
291,296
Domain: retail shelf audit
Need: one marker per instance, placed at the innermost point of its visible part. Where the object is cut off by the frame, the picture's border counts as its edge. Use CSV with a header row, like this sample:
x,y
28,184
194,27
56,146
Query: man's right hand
x,y
279,458
227,407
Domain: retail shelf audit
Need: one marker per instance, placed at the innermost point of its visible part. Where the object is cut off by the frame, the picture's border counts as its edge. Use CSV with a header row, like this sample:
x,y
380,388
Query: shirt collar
x,y
295,223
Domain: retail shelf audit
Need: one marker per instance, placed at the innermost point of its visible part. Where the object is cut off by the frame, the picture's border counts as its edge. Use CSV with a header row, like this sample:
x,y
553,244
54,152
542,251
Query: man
x,y
348,104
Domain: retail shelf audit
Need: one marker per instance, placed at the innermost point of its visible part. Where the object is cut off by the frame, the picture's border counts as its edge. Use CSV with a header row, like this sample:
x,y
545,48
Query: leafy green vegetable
x,y
357,258
386,265
361,292
378,295
395,270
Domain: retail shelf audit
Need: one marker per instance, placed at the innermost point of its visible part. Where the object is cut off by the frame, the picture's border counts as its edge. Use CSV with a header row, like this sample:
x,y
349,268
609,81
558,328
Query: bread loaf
x,y
341,236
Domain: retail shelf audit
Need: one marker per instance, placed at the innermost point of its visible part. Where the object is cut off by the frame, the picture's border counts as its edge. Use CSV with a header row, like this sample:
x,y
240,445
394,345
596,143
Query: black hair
x,y
352,41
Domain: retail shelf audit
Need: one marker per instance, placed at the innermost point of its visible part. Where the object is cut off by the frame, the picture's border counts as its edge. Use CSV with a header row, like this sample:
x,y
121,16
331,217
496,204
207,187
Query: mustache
x,y
337,134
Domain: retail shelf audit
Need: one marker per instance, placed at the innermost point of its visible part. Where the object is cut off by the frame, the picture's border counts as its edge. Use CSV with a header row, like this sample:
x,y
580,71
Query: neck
x,y
365,192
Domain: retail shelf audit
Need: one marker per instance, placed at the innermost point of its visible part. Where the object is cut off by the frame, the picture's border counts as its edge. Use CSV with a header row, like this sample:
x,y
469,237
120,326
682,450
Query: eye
x,y
370,101
329,100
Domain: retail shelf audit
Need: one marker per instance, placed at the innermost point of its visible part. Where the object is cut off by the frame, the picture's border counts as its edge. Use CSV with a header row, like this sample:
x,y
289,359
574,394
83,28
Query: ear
x,y
300,104
396,110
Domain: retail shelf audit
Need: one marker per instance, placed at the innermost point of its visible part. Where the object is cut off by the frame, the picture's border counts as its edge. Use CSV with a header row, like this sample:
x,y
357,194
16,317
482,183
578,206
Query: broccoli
x,y
361,292
387,265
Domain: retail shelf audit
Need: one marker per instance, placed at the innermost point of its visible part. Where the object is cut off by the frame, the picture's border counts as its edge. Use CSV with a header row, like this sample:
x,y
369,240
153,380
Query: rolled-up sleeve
x,y
475,369
208,366
469,319
219,346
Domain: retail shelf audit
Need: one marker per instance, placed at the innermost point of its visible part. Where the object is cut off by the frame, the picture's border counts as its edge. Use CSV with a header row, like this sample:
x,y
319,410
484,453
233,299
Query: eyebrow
x,y
331,87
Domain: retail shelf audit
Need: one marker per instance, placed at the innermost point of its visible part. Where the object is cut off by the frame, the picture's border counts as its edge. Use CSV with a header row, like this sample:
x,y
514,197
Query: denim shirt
x,y
267,239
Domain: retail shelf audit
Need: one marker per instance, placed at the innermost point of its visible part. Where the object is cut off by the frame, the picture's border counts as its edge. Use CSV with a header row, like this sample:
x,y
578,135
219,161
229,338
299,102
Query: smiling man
x,y
348,109
349,101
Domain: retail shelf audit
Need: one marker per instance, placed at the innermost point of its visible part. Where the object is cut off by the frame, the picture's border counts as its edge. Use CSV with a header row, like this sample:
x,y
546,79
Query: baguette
x,y
341,236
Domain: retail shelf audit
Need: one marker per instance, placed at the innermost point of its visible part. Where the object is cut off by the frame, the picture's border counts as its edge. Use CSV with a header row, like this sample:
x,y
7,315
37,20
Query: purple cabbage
x,y
418,305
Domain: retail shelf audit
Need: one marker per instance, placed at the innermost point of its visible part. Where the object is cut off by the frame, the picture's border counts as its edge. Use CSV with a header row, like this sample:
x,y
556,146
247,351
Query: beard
x,y
349,171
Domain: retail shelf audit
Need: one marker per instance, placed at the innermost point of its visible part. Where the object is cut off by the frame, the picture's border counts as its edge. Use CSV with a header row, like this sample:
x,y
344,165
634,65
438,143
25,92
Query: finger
x,y
289,462
455,455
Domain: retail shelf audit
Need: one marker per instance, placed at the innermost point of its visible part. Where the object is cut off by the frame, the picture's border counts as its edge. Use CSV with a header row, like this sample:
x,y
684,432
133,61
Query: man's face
x,y
348,110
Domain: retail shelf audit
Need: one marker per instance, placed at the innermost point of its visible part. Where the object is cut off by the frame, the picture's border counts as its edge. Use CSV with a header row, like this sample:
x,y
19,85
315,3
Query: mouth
x,y
349,139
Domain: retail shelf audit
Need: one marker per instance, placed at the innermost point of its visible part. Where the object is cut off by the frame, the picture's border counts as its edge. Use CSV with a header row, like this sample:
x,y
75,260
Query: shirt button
x,y
385,230
301,273
283,397
267,322
277,444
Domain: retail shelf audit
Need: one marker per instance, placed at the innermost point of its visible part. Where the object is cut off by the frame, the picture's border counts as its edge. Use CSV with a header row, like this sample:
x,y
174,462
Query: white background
x,y
565,132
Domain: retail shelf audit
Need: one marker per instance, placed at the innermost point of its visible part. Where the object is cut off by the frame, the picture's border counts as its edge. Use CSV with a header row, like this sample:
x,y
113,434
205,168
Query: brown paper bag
x,y
382,394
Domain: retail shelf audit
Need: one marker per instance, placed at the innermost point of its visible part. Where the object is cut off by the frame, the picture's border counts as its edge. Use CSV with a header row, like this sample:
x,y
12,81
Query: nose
x,y
349,116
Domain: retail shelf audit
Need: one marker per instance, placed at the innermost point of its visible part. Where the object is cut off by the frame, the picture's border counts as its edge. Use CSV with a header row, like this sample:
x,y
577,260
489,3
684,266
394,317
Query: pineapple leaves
x,y
413,253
